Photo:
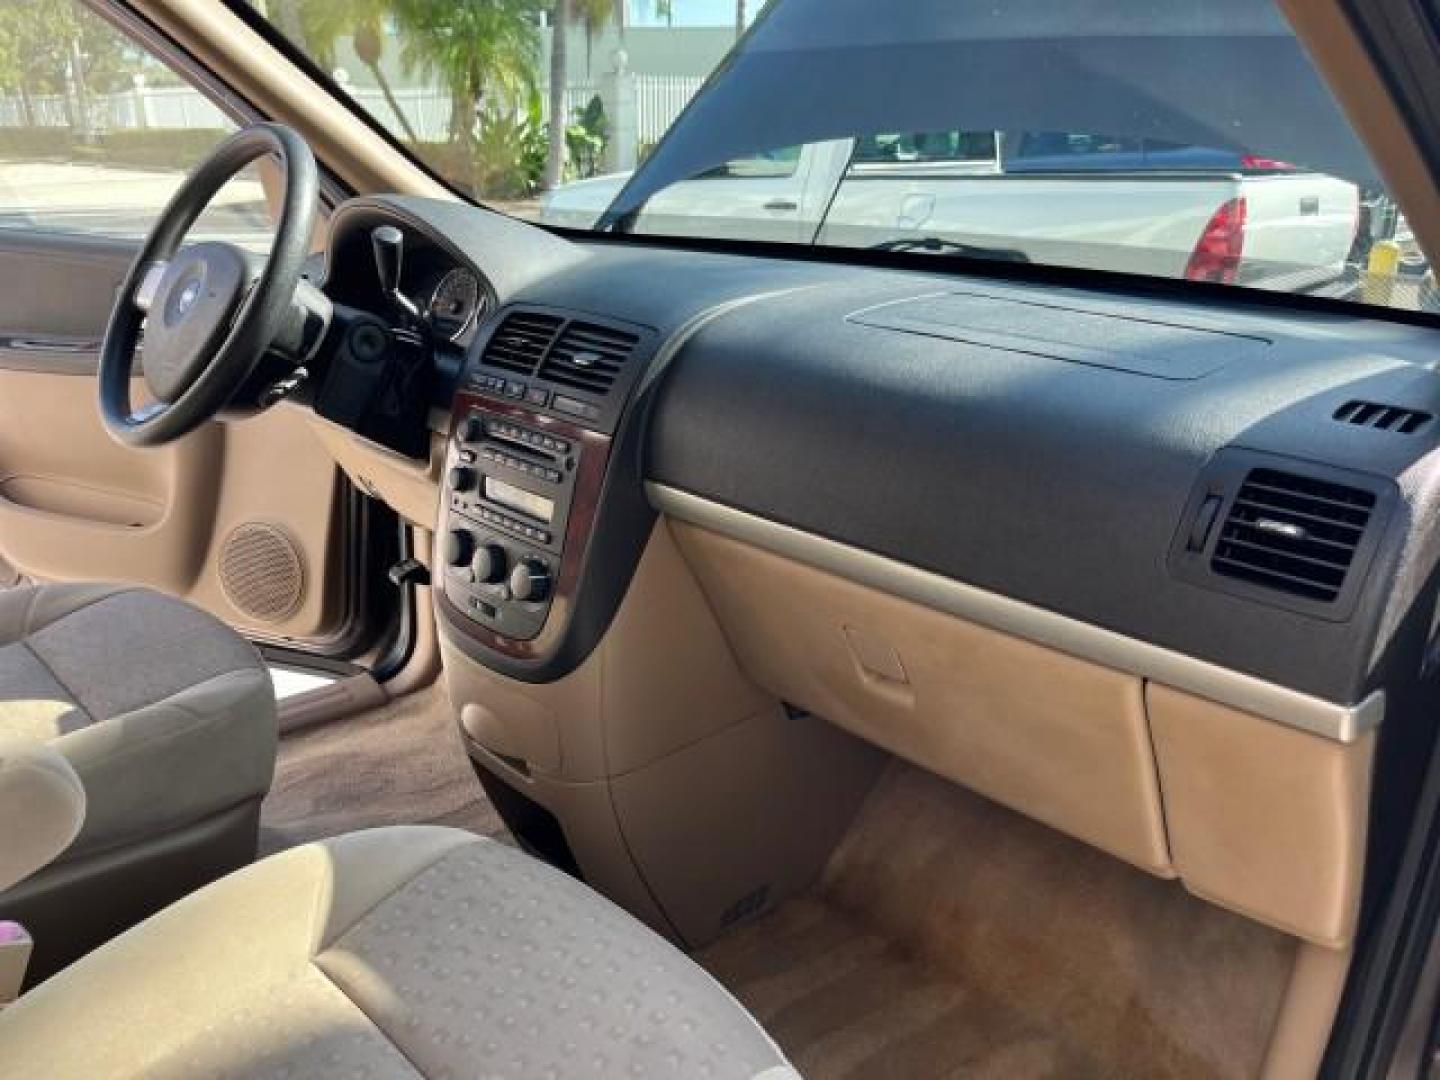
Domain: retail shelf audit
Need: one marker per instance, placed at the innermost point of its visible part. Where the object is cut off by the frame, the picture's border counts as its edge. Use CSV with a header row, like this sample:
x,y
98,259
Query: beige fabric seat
x,y
399,952
168,717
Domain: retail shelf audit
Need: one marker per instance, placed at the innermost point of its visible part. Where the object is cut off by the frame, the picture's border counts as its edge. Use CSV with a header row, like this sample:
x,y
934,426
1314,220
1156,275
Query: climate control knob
x,y
490,563
461,478
530,580
459,547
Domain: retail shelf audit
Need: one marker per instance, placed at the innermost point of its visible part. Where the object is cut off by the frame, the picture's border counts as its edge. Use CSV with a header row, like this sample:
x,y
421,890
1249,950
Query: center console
x,y
531,434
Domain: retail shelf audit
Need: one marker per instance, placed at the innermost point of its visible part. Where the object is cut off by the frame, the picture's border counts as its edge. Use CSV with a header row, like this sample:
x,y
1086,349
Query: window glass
x,y
772,165
1156,137
96,134
925,147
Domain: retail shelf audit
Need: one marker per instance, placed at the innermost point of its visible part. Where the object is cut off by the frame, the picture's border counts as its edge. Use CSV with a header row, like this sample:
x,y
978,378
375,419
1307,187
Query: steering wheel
x,y
208,317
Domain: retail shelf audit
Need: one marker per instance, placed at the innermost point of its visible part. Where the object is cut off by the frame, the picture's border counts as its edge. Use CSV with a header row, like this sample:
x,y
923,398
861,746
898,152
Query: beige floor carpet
x,y
950,937
397,765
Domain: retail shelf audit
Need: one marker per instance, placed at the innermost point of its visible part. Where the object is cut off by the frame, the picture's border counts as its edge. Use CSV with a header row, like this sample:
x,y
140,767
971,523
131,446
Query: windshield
x,y
1158,137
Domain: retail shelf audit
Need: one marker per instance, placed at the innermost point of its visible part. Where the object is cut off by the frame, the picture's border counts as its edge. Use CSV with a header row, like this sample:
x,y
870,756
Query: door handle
x,y
782,204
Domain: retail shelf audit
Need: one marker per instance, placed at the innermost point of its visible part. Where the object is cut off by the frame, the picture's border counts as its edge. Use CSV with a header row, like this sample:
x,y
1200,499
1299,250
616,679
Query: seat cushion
x,y
166,714
399,952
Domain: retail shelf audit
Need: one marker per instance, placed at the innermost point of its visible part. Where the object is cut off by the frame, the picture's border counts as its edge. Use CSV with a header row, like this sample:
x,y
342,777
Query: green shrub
x,y
509,156
586,138
175,149
153,148
35,143
505,161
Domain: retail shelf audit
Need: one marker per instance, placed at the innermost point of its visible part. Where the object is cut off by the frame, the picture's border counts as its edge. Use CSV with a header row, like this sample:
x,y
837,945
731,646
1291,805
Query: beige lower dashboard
x,y
410,488
1253,813
666,757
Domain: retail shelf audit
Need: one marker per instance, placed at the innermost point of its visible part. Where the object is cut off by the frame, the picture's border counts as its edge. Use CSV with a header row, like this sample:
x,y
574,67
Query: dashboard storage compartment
x,y
1263,819
1060,739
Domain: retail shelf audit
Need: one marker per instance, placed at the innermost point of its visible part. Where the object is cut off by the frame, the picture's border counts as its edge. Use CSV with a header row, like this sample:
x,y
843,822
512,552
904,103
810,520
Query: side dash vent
x,y
1383,417
588,357
1296,534
520,342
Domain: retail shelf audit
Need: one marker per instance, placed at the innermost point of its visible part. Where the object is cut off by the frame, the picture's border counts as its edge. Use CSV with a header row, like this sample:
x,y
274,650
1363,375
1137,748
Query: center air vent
x,y
1296,534
588,357
1384,417
520,342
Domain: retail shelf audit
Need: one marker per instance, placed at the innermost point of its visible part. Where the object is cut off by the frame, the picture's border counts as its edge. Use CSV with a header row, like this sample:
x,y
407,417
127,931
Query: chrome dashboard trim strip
x,y
1340,723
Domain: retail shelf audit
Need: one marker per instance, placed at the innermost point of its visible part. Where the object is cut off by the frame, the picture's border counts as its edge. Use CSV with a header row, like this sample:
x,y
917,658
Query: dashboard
x,y
1053,451
1152,498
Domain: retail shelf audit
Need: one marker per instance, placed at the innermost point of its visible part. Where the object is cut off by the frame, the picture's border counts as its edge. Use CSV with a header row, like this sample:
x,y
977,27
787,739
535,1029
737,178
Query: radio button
x,y
575,407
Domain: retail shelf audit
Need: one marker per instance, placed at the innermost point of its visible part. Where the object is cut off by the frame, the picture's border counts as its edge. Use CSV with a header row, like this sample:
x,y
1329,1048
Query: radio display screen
x,y
514,498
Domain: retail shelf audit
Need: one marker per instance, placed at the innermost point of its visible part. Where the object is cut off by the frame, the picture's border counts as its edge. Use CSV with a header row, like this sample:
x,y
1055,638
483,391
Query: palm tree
x,y
477,48
369,42
592,15
739,18
321,23
559,73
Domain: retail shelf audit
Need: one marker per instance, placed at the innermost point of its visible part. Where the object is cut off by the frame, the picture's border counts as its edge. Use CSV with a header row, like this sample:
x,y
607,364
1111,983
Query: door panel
x,y
60,285
241,518
75,505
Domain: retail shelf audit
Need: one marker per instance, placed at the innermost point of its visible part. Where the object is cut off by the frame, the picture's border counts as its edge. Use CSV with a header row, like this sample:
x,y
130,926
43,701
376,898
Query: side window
x,y
1067,151
925,147
96,133
770,165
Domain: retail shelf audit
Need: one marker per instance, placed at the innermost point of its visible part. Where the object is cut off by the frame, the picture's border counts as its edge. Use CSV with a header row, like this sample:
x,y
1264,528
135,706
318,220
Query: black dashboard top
x,y
1050,444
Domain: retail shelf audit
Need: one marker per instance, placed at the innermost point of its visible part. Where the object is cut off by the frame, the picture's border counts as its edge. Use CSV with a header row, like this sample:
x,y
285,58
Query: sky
x,y
692,12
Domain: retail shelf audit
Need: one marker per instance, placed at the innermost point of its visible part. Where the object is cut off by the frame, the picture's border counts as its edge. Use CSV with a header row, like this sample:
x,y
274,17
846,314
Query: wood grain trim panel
x,y
594,458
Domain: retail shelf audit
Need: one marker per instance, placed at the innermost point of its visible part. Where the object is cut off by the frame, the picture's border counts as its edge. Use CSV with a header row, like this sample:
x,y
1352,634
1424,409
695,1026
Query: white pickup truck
x,y
1112,204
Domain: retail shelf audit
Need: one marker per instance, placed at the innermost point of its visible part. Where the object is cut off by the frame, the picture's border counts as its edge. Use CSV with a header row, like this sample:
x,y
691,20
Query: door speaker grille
x,y
262,572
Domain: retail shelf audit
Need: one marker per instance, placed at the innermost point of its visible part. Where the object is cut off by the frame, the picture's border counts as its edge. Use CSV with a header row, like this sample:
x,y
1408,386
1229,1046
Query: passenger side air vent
x,y
1293,533
588,357
520,342
1383,417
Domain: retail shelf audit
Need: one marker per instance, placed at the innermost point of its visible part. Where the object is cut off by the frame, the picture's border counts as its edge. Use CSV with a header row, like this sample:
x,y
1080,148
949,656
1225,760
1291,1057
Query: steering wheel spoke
x,y
149,287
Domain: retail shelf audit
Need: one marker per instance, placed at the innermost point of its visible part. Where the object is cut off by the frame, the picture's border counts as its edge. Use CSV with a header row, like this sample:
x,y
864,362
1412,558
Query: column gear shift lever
x,y
388,244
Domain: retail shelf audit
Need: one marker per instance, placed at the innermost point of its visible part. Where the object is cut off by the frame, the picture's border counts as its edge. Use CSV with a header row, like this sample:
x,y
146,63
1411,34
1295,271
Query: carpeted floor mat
x,y
951,937
399,765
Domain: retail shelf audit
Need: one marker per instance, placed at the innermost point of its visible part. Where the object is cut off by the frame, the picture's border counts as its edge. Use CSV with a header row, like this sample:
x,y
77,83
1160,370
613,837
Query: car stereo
x,y
509,491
